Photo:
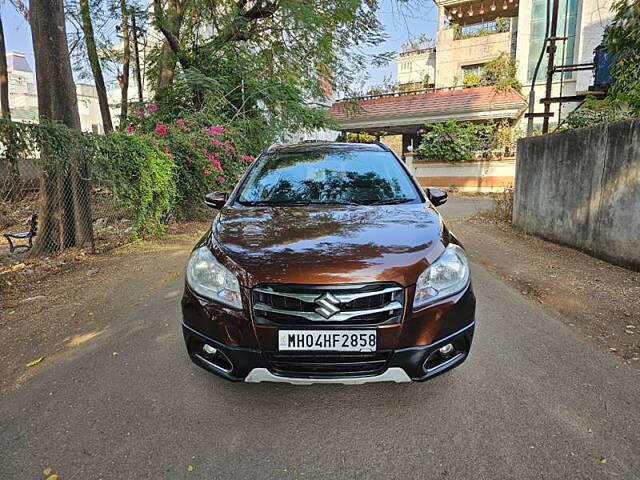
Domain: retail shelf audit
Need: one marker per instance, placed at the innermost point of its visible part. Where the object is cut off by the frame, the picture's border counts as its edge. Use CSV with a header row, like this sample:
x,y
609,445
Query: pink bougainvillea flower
x,y
180,122
217,164
246,158
188,160
165,149
215,130
130,129
207,171
221,179
204,150
216,142
138,112
161,130
153,107
170,155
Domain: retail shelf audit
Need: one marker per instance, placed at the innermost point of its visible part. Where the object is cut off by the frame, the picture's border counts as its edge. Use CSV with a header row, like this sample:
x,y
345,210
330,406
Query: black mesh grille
x,y
327,364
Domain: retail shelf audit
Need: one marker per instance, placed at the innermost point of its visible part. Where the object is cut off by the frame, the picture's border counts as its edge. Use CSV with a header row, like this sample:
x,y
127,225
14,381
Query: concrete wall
x,y
480,176
413,66
582,188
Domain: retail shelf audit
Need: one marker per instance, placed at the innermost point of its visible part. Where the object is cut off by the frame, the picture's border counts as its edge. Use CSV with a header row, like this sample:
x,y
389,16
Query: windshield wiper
x,y
392,201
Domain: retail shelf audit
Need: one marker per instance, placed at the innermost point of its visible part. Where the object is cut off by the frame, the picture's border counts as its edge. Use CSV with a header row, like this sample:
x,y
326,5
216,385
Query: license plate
x,y
334,340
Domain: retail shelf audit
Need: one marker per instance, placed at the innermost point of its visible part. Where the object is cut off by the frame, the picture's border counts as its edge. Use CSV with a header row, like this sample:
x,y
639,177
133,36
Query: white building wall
x,y
592,20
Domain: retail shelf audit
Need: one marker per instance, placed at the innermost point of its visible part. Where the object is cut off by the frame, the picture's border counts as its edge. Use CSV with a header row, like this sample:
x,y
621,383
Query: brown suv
x,y
328,264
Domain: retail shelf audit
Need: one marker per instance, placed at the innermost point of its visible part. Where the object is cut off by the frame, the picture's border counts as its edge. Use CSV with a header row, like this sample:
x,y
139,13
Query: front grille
x,y
364,304
293,364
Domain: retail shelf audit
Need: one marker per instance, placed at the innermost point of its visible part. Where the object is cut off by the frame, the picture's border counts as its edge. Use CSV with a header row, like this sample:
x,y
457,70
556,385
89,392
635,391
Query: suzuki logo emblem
x,y
327,305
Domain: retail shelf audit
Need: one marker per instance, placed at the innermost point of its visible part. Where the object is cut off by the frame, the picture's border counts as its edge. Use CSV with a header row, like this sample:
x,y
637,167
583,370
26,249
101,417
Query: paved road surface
x,y
533,401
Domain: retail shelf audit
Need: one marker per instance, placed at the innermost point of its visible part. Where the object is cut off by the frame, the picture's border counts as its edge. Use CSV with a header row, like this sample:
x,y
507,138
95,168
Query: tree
x,y
65,214
623,41
94,61
123,78
265,63
169,18
135,32
4,78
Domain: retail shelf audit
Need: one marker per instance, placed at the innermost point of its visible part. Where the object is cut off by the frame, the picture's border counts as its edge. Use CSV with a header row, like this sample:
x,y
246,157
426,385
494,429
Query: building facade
x,y
23,96
473,32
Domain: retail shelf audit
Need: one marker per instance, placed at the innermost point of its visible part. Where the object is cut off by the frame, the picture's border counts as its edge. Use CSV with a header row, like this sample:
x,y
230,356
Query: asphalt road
x,y
534,400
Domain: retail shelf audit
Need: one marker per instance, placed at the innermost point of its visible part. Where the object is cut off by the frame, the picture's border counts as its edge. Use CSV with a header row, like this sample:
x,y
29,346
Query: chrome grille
x,y
371,304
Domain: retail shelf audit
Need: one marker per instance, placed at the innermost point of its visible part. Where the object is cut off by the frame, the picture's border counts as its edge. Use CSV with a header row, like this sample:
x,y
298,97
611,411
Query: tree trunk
x,y
4,78
124,78
94,61
136,54
65,211
170,25
166,67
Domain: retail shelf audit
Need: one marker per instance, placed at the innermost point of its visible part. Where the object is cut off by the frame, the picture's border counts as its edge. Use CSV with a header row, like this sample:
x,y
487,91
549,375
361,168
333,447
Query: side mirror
x,y
436,196
216,199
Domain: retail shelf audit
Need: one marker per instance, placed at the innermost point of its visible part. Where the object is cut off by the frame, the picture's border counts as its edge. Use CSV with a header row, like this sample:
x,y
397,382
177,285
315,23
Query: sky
x,y
402,20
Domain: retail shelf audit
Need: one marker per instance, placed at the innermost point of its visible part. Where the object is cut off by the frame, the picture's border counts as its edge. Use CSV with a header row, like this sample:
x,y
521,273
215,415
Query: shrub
x,y
471,79
140,176
594,111
502,24
206,156
453,141
502,73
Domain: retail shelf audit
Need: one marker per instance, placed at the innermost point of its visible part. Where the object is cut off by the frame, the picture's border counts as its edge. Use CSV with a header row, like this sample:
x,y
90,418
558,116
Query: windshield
x,y
342,177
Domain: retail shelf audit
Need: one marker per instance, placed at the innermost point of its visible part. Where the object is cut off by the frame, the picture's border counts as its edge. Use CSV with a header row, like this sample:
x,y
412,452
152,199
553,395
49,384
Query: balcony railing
x,y
499,25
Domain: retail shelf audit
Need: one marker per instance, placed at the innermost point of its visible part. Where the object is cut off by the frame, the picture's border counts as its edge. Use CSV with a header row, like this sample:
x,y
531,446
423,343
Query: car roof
x,y
327,147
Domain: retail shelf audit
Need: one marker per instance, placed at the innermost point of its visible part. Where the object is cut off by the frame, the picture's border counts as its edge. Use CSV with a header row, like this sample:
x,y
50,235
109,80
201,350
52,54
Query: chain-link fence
x,y
44,212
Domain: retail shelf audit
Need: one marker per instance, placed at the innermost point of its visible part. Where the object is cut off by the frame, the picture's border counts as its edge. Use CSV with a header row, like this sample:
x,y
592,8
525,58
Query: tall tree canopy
x,y
265,60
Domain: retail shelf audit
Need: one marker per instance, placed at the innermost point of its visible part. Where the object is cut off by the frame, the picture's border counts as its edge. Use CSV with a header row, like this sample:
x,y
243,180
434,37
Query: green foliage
x,y
504,138
139,174
263,66
471,79
502,24
502,73
361,137
207,156
453,141
141,177
623,40
594,111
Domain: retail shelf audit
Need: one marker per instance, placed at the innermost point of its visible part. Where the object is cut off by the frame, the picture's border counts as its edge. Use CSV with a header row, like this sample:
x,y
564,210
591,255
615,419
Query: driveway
x,y
534,400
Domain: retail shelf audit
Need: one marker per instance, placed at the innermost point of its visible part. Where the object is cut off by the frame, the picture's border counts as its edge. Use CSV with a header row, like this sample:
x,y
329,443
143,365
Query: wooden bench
x,y
11,236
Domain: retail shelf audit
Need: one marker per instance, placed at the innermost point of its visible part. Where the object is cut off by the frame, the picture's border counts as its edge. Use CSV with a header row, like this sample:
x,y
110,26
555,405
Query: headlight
x,y
448,275
209,278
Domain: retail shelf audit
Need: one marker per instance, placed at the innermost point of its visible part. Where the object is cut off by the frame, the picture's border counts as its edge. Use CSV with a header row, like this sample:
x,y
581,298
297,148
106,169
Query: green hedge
x,y
138,173
140,176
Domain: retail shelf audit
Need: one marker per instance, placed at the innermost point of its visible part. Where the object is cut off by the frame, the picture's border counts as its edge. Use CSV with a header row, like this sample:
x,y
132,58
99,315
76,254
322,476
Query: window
x,y
327,176
476,69
567,20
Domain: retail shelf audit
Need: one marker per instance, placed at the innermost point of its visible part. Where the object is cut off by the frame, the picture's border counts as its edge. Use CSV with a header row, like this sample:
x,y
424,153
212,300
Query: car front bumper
x,y
416,363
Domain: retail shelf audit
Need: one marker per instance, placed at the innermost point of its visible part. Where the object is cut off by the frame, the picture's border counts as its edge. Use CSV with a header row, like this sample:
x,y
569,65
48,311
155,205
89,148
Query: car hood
x,y
328,245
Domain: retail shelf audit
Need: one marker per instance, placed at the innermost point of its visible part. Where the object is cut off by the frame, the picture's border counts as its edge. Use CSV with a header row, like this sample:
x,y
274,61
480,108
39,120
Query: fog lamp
x,y
447,349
